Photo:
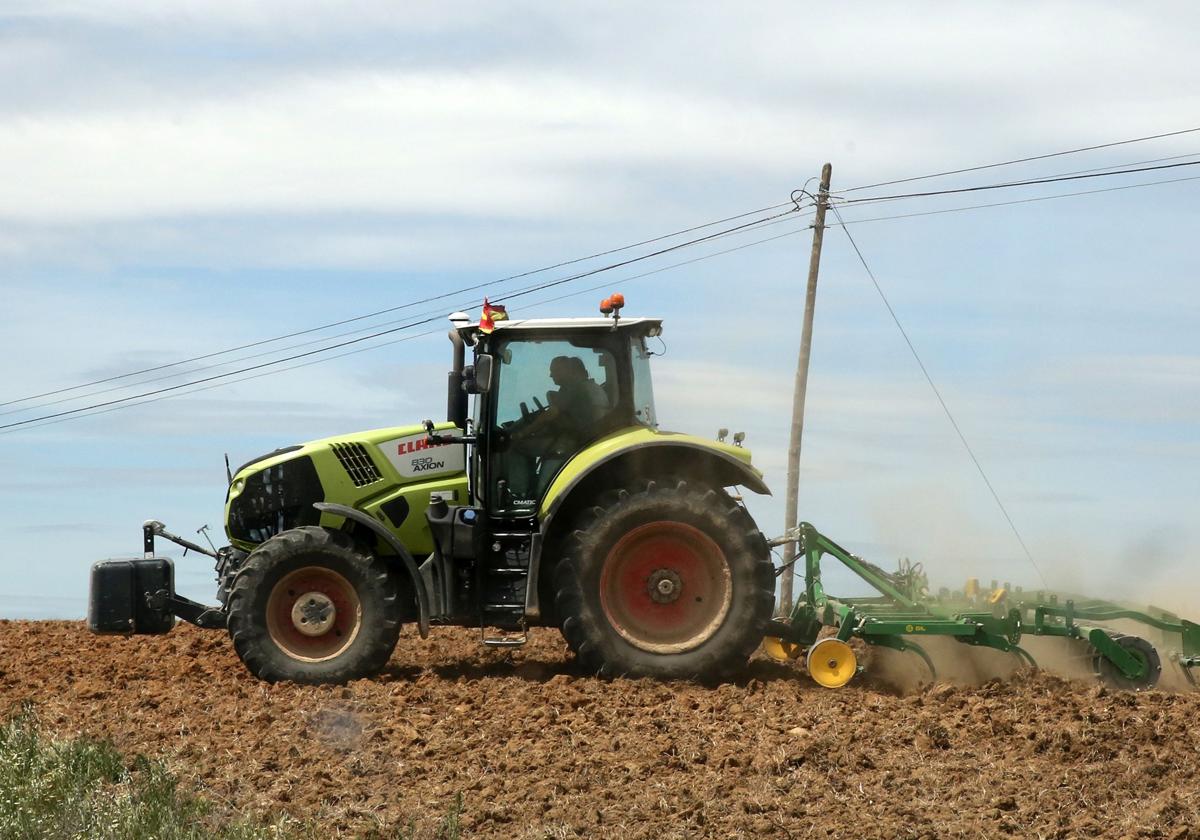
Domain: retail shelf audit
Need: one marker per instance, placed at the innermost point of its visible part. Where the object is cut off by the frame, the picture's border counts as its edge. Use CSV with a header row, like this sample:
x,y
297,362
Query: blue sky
x,y
184,177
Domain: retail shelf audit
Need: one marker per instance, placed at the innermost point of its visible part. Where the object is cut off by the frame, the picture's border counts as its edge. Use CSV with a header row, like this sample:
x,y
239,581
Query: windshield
x,y
553,395
536,373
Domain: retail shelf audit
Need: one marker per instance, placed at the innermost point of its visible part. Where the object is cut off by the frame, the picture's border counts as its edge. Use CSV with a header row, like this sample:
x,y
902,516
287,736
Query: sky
x,y
181,178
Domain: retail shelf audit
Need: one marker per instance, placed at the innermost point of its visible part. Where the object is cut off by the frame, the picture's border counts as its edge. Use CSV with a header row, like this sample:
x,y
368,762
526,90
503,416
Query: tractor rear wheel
x,y
312,606
668,581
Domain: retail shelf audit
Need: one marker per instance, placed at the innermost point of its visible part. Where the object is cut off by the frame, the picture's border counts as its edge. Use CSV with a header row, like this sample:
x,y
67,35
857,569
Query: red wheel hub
x,y
666,587
313,614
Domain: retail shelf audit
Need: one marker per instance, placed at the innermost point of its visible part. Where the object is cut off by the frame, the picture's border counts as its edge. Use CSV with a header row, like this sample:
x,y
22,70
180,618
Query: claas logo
x,y
412,446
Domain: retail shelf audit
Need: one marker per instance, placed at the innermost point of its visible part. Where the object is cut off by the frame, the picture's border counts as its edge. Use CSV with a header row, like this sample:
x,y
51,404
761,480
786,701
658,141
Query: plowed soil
x,y
537,749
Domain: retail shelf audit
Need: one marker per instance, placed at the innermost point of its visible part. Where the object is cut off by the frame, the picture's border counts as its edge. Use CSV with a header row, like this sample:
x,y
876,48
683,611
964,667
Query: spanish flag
x,y
492,312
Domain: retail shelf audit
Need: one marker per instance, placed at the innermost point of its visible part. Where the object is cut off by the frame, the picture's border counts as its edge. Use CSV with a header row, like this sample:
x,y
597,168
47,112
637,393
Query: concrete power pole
x,y
793,478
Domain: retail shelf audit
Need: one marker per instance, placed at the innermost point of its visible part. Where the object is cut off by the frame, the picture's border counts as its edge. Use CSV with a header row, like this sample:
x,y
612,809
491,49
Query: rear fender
x,y
650,453
622,461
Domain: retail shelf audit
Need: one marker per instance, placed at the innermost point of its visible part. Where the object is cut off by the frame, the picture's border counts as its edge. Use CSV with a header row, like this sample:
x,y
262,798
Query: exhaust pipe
x,y
456,397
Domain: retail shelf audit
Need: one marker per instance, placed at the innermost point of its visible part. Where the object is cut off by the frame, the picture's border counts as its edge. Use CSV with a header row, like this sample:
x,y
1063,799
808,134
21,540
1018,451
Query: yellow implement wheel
x,y
781,650
831,663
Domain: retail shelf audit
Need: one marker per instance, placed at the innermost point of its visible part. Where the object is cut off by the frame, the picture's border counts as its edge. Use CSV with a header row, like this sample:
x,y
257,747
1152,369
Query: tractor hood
x,y
277,491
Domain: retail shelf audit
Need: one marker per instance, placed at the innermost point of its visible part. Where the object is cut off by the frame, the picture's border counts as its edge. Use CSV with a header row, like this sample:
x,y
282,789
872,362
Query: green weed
x,y
83,789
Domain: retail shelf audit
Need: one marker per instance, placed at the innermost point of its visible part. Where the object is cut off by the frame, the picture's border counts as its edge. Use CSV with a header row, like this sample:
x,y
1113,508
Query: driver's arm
x,y
537,423
541,421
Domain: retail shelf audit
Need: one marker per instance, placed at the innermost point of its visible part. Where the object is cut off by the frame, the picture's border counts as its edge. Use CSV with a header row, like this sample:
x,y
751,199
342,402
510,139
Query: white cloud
x,y
384,142
510,140
1154,371
1143,388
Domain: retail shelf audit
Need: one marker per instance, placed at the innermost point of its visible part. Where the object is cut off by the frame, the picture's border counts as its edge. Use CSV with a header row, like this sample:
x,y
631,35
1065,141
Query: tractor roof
x,y
636,325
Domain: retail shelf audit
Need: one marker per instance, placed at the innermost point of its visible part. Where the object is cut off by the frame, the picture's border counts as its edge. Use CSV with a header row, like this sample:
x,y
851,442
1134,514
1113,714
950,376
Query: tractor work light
x,y
614,303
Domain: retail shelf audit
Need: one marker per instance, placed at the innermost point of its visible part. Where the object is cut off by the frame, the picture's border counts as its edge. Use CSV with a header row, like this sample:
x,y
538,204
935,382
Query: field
x,y
535,749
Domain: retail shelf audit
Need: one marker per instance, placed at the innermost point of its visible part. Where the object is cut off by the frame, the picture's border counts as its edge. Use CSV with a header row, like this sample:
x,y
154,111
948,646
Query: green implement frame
x,y
904,611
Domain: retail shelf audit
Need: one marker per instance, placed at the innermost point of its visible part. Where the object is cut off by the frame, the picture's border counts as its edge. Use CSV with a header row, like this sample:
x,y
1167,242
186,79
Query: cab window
x,y
553,396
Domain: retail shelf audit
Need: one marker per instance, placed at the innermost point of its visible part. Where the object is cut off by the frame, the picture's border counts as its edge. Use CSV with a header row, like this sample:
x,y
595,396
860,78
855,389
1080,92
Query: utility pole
x,y
792,514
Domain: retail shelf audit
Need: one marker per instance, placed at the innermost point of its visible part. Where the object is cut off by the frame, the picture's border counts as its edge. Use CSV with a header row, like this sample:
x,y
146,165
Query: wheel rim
x,y
313,614
666,587
831,663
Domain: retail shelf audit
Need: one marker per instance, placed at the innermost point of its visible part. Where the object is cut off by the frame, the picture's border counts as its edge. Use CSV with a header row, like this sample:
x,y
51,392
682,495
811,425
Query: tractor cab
x,y
544,391
541,392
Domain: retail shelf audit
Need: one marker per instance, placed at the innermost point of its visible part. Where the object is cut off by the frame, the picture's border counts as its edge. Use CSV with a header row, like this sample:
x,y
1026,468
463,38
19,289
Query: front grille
x,y
357,463
276,499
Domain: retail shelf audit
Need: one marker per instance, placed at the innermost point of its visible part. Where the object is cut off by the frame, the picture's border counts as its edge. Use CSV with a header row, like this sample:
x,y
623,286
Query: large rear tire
x,y
672,582
312,606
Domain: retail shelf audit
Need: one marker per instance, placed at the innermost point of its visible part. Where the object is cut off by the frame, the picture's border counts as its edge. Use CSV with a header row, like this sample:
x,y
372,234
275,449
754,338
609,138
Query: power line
x,y
550,284
391,309
95,411
767,222
193,371
842,222
1009,184
196,370
1021,160
213,377
562,264
1099,172
1098,169
1132,163
741,247
1016,201
937,393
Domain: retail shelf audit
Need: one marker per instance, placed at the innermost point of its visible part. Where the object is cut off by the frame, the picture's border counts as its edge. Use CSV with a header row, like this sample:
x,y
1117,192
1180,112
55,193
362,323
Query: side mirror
x,y
477,378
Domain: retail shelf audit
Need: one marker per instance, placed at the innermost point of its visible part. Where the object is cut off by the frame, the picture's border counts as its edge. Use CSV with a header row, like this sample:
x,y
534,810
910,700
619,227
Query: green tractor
x,y
548,497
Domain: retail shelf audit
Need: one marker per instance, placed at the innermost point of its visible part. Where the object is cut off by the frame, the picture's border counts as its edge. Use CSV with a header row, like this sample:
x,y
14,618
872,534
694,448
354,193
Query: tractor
x,y
548,497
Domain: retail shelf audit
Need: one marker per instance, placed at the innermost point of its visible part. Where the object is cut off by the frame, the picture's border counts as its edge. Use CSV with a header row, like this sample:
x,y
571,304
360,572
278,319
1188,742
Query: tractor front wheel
x,y
311,606
669,581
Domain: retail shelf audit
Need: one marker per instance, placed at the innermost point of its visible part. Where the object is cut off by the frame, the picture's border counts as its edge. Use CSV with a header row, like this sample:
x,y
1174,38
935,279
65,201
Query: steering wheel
x,y
517,428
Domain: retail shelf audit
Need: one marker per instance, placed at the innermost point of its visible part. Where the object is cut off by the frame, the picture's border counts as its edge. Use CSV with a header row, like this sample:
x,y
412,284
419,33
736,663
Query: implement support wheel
x,y
781,650
1142,650
831,663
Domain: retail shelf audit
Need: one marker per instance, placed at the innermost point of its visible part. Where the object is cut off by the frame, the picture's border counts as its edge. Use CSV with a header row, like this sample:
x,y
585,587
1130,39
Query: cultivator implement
x,y
998,618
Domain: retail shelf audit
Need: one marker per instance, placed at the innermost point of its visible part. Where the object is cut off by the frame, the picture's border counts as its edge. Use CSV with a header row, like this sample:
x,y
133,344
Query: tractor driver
x,y
558,430
574,408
